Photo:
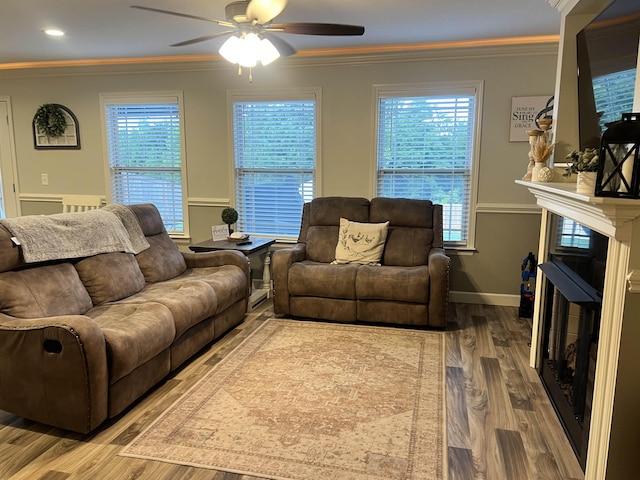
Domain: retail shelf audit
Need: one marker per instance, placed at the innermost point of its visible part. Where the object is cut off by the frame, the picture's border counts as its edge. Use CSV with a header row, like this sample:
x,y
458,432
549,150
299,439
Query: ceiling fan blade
x,y
316,28
285,49
200,39
263,11
186,15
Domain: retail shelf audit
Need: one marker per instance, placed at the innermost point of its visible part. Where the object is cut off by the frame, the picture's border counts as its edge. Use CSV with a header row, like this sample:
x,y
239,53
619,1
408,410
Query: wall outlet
x,y
45,178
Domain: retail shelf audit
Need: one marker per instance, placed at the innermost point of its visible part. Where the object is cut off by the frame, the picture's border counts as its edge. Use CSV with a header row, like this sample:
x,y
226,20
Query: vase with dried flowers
x,y
541,151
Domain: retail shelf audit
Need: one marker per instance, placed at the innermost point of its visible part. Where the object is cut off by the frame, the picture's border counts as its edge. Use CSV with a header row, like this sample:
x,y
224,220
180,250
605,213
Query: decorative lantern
x,y
619,167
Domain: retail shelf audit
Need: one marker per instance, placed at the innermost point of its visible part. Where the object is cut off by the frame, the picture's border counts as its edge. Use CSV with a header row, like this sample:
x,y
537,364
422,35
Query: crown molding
x,y
515,46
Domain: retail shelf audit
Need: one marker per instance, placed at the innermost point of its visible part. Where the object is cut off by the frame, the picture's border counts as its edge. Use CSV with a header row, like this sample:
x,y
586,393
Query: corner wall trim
x,y
516,208
208,202
499,299
57,198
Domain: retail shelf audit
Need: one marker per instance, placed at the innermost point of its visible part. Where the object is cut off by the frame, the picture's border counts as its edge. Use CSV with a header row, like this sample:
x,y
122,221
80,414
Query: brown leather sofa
x,y
83,338
409,287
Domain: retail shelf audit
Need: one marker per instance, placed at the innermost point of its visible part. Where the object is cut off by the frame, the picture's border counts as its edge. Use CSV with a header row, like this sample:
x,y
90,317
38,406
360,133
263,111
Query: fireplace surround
x,y
614,426
570,316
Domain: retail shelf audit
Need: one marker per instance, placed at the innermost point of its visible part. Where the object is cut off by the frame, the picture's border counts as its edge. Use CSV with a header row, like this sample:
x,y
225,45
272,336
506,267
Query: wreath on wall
x,y
50,120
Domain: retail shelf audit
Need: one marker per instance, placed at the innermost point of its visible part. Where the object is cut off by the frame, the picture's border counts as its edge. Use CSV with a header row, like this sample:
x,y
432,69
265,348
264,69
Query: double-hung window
x,y
145,153
613,94
427,148
275,155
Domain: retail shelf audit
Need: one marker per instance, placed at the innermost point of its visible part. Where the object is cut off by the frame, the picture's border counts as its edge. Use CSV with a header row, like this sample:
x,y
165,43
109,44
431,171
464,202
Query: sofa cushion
x,y
324,222
402,212
316,279
360,242
10,256
399,284
227,281
321,243
162,260
149,218
190,302
411,229
134,334
328,210
110,276
44,291
407,247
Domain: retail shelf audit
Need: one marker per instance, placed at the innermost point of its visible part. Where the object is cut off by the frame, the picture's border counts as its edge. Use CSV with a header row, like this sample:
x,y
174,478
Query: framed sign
x,y
523,116
219,232
69,139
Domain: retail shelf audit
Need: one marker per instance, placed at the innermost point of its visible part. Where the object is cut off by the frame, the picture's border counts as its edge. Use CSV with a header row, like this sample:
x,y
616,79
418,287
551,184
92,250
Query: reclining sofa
x,y
408,285
82,338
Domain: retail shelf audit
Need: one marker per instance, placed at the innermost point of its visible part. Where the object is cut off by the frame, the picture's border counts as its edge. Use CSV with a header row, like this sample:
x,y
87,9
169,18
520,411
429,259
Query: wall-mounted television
x,y
607,62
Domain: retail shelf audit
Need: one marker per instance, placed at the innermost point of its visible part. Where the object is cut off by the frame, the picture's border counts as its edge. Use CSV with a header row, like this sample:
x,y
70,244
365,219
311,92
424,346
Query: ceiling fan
x,y
251,35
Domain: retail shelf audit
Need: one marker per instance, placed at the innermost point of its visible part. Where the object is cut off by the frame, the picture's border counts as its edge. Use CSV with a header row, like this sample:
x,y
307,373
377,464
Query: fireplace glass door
x,y
571,314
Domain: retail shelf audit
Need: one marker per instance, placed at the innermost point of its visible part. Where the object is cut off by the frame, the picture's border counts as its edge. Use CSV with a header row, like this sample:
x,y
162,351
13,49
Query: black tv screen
x,y
607,62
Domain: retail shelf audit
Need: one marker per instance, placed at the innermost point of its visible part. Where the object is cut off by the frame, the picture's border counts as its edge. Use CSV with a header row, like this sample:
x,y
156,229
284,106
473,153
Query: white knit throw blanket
x,y
131,225
69,235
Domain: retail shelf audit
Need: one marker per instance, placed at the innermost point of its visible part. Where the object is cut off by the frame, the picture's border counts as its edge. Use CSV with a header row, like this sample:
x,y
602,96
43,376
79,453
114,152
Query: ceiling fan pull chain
x,y
250,75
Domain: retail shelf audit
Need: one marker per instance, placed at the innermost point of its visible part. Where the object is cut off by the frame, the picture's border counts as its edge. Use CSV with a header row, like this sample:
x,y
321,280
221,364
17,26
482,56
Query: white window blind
x,y
613,94
573,234
145,157
425,150
275,164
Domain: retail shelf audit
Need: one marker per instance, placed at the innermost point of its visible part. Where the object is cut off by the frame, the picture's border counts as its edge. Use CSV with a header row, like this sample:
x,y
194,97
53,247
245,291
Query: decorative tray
x,y
243,238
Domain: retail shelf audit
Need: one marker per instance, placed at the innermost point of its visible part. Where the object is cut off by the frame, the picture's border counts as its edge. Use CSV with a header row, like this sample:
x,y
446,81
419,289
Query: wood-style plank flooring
x,y
500,424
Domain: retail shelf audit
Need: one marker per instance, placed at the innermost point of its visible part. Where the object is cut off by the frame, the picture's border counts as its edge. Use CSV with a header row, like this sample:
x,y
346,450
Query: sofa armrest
x,y
54,370
218,259
439,266
281,261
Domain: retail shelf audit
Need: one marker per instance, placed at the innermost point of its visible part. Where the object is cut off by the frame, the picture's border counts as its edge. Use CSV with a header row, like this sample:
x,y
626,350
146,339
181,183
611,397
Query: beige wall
x,y
507,222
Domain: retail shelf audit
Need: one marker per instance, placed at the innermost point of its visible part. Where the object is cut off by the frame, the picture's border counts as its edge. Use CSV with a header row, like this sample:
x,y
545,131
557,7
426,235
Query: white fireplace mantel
x,y
619,220
612,217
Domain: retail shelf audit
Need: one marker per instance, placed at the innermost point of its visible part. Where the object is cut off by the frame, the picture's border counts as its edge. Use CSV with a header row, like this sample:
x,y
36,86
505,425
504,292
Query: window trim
x,y
269,95
148,98
426,89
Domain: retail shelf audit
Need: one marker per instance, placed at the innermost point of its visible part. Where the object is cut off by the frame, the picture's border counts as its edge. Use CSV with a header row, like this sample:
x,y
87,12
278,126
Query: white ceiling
x,y
100,29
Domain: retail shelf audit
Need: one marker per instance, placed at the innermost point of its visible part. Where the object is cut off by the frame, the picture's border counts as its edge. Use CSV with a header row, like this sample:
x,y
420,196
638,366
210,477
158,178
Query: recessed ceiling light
x,y
54,32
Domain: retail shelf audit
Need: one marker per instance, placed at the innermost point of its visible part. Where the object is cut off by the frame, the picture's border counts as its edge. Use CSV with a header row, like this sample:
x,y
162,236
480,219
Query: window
x,y
275,151
144,150
426,148
572,234
613,95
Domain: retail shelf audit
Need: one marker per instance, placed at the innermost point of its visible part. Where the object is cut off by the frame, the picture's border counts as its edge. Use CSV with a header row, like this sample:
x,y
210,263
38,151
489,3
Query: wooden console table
x,y
252,247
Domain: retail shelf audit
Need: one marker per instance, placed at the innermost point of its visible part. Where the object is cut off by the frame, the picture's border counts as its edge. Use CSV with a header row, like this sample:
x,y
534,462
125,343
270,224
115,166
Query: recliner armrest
x,y
218,259
439,266
215,259
281,261
54,370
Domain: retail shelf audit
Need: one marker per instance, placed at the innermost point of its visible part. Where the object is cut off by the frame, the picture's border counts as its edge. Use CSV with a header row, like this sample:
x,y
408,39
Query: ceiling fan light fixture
x,y
248,50
230,49
268,52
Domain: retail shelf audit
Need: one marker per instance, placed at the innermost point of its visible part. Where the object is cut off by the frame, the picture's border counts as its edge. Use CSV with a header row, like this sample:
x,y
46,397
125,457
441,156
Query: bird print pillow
x,y
361,242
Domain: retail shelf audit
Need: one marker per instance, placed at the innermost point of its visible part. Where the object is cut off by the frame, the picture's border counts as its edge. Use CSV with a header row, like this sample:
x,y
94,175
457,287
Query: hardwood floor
x,y
500,424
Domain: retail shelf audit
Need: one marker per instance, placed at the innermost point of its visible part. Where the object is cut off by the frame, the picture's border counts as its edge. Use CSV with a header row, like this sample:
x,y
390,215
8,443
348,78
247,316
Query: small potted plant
x,y
229,216
585,165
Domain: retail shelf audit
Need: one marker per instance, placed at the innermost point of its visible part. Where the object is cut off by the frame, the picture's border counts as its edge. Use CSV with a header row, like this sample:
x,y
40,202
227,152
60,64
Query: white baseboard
x,y
485,298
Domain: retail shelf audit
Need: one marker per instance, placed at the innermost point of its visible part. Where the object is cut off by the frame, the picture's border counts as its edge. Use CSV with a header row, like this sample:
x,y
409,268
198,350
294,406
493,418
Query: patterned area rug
x,y
309,400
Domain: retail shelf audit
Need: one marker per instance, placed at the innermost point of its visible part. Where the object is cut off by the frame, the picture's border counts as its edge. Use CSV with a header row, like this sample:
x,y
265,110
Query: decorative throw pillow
x,y
360,242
